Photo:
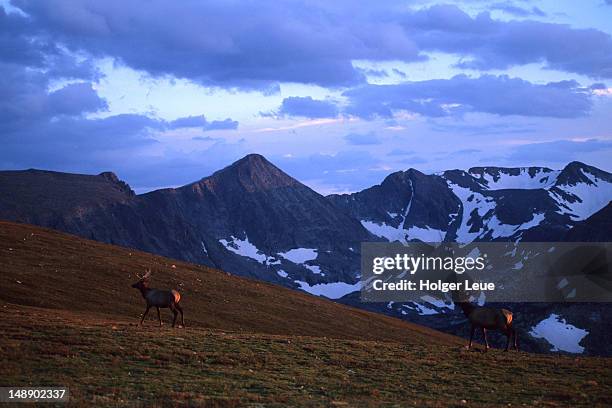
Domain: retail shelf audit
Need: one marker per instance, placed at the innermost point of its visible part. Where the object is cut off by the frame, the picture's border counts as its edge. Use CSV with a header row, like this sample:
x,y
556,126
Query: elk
x,y
158,298
487,318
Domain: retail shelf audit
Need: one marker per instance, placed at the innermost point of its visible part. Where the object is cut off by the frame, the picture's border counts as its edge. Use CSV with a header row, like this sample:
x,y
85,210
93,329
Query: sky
x,y
338,94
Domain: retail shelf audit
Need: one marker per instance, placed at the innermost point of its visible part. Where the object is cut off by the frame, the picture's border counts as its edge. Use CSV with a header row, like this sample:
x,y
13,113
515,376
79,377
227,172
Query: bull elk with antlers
x,y
158,298
487,318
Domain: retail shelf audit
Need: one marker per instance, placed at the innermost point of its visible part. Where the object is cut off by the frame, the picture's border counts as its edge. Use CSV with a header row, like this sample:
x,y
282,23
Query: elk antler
x,y
147,275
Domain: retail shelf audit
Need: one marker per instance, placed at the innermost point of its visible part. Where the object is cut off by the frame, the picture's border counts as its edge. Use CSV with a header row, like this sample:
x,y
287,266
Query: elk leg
x,y
144,315
472,330
509,336
180,309
159,317
484,334
515,340
174,312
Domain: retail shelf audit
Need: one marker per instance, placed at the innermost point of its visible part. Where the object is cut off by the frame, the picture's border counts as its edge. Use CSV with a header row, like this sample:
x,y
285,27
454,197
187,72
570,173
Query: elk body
x,y
159,299
487,318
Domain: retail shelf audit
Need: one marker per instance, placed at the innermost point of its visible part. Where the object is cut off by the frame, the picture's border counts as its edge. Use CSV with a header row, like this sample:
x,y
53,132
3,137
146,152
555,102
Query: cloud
x,y
74,99
77,142
22,44
308,107
256,45
201,122
328,173
362,139
204,138
178,167
482,128
400,152
399,73
47,94
512,9
25,100
467,151
48,77
500,95
495,44
374,73
559,151
413,160
229,44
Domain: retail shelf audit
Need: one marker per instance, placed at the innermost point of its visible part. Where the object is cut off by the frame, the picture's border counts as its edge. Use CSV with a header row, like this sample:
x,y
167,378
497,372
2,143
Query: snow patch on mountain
x,y
441,304
383,230
498,229
426,234
503,179
303,256
334,290
429,306
299,255
314,269
401,234
472,202
243,248
585,199
421,309
560,334
282,273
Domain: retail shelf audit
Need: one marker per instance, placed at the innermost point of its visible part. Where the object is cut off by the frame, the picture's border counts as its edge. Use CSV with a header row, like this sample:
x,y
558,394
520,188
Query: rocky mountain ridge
x,y
252,219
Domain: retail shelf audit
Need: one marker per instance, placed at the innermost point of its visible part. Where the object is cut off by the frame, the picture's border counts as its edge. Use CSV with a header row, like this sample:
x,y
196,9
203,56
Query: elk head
x,y
143,281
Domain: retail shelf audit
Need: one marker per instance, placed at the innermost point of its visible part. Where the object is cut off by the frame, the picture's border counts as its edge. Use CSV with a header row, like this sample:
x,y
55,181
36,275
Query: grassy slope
x,y
45,268
243,343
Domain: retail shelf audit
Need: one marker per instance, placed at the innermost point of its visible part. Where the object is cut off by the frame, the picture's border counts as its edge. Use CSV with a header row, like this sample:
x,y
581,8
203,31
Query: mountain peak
x,y
252,159
577,172
253,172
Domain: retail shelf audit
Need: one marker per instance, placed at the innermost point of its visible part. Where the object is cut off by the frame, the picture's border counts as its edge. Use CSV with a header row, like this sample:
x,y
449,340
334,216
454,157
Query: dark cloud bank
x,y
255,46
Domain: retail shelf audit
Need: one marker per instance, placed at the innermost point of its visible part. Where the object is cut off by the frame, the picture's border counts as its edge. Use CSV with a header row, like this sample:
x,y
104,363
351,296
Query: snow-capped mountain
x,y
532,204
252,219
407,205
481,204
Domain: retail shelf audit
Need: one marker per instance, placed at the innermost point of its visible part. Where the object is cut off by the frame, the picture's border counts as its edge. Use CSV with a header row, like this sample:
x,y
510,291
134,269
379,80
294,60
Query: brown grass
x,y
45,268
247,343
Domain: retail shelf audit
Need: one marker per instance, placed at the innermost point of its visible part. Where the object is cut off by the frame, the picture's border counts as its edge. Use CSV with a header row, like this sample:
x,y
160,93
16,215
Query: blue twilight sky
x,y
337,93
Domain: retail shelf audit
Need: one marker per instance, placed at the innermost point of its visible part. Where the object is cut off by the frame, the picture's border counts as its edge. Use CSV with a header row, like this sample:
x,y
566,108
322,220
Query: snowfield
x,y
400,234
471,201
588,198
524,181
334,290
560,334
299,255
243,248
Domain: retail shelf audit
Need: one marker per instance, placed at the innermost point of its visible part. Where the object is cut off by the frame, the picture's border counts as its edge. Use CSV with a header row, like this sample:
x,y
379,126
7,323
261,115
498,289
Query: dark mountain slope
x,y
596,228
404,200
240,219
